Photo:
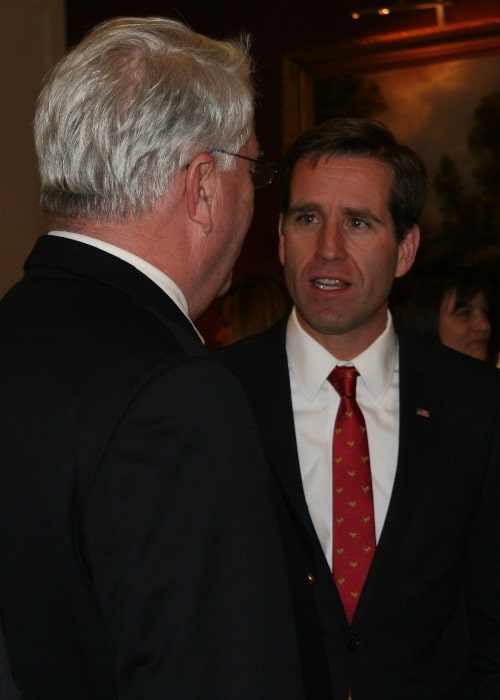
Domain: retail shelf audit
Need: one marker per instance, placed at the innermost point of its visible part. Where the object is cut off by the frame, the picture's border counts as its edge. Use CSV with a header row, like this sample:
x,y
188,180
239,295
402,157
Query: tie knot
x,y
343,380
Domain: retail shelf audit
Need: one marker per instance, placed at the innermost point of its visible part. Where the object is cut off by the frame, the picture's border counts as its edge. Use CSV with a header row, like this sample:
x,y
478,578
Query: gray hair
x,y
129,107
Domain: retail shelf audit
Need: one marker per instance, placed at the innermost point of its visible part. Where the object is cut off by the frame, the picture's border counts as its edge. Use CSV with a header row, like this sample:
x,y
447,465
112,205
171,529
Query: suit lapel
x,y
417,433
418,421
261,363
266,356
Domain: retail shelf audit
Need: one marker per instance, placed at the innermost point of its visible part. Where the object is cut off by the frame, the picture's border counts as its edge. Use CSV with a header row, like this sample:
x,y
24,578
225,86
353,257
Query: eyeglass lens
x,y
263,174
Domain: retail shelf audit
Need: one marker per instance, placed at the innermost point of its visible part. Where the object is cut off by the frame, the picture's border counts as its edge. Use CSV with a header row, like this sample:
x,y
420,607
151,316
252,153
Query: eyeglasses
x,y
262,173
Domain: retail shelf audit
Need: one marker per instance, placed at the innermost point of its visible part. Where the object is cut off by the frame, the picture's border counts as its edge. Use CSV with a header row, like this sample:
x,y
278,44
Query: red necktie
x,y
353,520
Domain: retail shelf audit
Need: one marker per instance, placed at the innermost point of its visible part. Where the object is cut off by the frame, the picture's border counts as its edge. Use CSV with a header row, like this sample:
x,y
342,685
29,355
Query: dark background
x,y
277,28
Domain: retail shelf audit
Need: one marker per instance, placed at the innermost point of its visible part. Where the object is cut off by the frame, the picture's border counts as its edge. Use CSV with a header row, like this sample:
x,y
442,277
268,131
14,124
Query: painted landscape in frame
x,y
437,90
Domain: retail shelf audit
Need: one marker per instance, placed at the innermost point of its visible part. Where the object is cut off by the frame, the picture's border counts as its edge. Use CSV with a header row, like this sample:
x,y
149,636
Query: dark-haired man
x,y
423,620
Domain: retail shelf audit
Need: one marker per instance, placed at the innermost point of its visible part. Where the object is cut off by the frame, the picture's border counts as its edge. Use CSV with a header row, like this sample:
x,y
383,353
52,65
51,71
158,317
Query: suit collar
x,y
155,275
62,257
311,363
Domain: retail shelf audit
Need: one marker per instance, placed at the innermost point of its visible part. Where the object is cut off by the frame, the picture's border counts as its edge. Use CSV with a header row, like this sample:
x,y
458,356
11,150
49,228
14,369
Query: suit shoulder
x,y
254,350
445,366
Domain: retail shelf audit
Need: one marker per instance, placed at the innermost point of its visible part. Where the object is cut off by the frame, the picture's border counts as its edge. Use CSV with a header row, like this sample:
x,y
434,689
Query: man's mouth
x,y
328,284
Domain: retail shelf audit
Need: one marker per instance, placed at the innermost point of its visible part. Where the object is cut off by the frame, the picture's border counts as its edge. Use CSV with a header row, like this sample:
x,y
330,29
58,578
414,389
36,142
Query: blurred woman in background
x,y
450,305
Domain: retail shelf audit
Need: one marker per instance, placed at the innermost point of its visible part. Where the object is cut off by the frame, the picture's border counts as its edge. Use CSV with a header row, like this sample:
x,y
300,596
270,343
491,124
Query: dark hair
x,y
420,311
363,138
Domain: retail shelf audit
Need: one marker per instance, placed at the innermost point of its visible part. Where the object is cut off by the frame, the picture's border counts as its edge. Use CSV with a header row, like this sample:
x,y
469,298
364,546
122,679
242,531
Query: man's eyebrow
x,y
302,207
362,213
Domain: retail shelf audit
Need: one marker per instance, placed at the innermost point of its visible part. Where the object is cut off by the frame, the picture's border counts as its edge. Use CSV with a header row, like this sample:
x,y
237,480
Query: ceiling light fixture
x,y
438,6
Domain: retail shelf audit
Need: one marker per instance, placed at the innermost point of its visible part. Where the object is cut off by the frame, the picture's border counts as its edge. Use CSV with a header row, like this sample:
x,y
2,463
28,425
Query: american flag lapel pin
x,y
423,412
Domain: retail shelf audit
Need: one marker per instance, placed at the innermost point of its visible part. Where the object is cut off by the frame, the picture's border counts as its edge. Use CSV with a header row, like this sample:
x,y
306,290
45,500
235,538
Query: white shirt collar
x,y
162,280
312,363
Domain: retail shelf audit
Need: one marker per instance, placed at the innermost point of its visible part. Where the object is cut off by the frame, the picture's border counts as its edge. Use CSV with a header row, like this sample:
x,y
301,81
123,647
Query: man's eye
x,y
358,223
307,219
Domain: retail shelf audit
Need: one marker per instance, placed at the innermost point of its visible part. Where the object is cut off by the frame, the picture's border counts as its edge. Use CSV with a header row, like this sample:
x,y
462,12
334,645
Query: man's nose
x,y
331,242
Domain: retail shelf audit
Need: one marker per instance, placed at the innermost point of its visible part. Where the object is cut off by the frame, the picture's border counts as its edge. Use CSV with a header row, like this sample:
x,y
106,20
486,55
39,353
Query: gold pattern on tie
x,y
353,520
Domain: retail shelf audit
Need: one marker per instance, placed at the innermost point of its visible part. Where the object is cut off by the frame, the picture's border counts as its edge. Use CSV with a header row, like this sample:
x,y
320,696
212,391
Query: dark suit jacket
x,y
140,552
427,626
8,688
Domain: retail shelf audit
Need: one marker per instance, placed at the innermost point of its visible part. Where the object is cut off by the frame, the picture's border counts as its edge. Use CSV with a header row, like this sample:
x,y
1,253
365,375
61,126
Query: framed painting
x,y
438,90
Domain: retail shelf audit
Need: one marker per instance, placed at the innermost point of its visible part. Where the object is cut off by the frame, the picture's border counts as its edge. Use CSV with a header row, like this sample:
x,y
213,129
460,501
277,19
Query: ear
x,y
200,188
408,248
281,239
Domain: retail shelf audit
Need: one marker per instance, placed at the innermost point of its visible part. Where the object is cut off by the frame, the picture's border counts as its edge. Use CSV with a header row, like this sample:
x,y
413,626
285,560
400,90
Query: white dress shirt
x,y
315,403
165,283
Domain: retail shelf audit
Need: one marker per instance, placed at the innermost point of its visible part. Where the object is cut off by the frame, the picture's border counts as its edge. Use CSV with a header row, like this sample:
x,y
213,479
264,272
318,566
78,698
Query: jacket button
x,y
352,642
310,577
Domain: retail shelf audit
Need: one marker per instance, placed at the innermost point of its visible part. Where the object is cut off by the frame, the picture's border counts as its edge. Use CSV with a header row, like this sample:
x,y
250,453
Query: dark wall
x,y
276,27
